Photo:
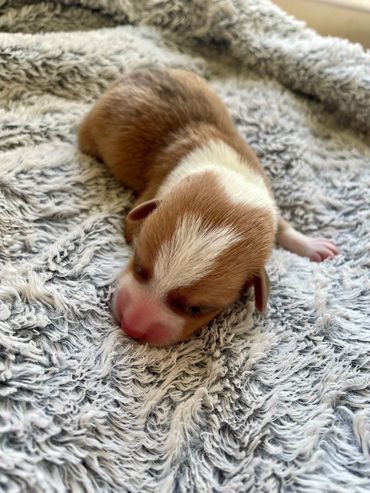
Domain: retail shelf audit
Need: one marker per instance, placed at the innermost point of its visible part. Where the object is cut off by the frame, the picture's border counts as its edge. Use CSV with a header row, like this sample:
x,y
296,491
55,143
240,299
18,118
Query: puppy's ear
x,y
261,284
143,210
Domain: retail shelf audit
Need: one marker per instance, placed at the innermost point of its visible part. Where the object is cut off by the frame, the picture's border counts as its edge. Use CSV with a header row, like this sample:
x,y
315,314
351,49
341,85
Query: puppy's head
x,y
196,252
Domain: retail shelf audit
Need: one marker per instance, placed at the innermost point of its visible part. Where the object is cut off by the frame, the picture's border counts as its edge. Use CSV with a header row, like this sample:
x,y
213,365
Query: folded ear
x,y
261,284
143,210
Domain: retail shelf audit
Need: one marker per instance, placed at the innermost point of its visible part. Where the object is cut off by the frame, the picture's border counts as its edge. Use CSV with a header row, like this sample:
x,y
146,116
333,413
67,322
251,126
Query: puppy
x,y
204,221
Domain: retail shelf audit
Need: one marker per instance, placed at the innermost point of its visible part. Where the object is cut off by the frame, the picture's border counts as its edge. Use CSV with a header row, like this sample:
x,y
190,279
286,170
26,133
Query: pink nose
x,y
132,330
139,318
155,333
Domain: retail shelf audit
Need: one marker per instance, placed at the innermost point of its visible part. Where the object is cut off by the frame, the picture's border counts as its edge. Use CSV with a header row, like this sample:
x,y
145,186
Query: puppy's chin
x,y
156,337
158,342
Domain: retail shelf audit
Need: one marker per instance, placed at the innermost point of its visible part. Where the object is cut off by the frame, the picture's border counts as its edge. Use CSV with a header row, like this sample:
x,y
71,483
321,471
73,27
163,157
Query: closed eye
x,y
197,310
193,311
141,273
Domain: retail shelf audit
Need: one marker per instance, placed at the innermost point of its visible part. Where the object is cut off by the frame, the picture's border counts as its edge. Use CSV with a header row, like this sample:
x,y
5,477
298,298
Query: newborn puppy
x,y
204,222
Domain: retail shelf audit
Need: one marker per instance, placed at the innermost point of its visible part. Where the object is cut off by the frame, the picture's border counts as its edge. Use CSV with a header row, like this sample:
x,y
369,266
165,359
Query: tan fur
x,y
237,266
148,120
142,127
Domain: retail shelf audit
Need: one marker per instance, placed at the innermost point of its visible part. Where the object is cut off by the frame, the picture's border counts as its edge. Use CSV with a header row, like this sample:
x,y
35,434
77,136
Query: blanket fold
x,y
278,403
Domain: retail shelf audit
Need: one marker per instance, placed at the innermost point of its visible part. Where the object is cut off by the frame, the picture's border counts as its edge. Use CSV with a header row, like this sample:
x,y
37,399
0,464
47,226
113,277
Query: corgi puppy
x,y
204,222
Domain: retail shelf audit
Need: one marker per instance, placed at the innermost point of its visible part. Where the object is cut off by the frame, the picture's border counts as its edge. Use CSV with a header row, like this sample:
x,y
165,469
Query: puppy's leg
x,y
316,249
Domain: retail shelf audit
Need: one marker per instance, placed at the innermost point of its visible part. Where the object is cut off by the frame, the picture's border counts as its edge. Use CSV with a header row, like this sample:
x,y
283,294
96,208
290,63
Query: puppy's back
x,y
147,111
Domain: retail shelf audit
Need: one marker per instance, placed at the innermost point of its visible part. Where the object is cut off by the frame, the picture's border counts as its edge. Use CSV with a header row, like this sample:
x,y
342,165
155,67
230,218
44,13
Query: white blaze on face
x,y
190,253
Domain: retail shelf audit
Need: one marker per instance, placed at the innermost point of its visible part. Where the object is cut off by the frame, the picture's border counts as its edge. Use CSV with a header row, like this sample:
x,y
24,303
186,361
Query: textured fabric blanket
x,y
275,403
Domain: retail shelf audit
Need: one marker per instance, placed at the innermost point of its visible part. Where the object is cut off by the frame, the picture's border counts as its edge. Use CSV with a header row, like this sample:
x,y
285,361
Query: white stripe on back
x,y
241,183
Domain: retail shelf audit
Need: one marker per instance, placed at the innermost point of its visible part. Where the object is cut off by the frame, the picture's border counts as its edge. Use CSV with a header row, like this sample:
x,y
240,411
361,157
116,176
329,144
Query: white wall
x,y
343,18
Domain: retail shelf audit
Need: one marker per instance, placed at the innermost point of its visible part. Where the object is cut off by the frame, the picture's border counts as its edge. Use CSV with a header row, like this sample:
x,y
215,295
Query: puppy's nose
x,y
138,318
132,331
156,333
141,317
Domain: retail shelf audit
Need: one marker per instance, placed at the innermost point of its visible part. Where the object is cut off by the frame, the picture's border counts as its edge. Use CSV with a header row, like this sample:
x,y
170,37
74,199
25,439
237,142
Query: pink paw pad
x,y
320,249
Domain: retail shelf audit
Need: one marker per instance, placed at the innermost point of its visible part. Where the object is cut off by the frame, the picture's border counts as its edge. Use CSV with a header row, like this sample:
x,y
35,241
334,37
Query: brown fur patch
x,y
201,196
149,119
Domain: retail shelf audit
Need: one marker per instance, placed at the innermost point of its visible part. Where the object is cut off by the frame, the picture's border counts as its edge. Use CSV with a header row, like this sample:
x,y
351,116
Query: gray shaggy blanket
x,y
279,403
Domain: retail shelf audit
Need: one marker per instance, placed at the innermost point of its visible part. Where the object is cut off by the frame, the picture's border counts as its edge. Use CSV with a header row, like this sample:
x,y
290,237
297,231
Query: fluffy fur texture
x,y
279,403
